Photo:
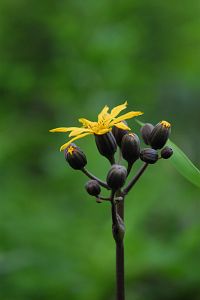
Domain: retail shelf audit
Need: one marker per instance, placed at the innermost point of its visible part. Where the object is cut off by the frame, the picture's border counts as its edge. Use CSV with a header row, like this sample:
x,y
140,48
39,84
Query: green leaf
x,y
182,163
139,122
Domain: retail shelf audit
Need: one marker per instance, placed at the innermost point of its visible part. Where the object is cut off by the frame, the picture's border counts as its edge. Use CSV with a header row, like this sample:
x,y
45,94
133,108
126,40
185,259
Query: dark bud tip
x,y
166,152
116,177
149,155
146,131
119,133
75,157
160,135
106,144
93,188
130,147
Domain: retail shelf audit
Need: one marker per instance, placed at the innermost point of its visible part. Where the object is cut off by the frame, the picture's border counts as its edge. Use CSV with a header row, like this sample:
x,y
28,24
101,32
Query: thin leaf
x,y
139,122
184,165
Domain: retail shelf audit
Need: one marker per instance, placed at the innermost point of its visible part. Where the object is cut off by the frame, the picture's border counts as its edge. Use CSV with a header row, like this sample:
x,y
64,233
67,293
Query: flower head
x,y
104,124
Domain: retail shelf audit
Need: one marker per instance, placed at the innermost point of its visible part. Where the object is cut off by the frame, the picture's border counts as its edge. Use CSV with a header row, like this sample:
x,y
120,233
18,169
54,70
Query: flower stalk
x,y
111,131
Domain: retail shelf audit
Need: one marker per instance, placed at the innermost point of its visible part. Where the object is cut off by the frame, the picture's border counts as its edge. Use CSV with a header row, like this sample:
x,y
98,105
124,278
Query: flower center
x,y
165,124
70,149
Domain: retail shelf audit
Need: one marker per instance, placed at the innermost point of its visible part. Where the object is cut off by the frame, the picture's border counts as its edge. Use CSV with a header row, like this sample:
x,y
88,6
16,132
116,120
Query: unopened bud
x,y
93,188
146,131
130,147
166,152
160,135
119,133
106,144
149,155
75,157
118,229
116,177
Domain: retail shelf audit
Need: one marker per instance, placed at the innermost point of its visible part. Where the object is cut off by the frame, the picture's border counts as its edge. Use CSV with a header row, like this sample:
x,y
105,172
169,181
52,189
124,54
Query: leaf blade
x,y
184,165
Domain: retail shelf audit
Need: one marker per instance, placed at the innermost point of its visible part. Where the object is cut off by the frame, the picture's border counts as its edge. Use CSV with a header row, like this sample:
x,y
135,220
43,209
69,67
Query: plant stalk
x,y
120,291
118,234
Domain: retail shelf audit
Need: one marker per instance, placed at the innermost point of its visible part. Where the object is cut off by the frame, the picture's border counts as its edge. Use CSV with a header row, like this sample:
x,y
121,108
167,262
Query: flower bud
x,y
116,177
146,131
106,145
166,152
149,155
160,134
75,157
119,133
130,147
93,188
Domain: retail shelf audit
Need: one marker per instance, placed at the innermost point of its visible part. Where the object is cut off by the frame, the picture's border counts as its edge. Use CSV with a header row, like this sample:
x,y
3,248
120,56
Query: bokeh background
x,y
61,60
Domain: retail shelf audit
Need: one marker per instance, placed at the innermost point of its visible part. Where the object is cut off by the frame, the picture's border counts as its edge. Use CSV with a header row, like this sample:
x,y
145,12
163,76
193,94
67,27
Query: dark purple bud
x,y
106,145
93,188
116,177
130,147
146,131
166,152
119,133
160,135
75,157
149,155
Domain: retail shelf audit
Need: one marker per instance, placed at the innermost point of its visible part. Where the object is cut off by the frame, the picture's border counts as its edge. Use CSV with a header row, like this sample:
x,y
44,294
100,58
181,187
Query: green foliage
x,y
183,165
61,60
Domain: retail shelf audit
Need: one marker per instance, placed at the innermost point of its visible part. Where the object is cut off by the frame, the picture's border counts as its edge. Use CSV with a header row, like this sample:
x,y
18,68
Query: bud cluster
x,y
156,137
130,148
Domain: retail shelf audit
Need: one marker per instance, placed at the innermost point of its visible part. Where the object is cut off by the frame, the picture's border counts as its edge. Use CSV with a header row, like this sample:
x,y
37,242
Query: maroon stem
x,y
135,179
120,291
91,176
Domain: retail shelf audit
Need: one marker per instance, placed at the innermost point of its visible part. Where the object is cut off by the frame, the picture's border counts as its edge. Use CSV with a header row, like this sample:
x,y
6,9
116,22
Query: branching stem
x,y
135,179
91,176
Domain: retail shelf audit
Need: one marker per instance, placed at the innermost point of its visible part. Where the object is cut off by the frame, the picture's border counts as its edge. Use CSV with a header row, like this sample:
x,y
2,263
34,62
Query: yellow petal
x,y
102,131
72,140
78,131
116,110
63,129
86,123
121,125
129,115
103,113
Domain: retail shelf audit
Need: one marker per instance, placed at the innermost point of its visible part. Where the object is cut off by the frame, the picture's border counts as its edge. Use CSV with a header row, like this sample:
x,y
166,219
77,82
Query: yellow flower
x,y
104,124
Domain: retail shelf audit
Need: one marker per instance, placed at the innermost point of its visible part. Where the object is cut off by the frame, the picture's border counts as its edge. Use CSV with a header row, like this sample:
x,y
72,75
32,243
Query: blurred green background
x,y
61,60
